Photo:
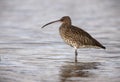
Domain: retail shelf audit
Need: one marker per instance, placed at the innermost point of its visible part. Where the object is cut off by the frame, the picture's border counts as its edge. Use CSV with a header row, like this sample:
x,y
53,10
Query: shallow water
x,y
31,54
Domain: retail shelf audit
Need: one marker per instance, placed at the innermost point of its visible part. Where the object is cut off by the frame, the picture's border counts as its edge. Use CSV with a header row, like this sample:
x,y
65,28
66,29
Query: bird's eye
x,y
62,19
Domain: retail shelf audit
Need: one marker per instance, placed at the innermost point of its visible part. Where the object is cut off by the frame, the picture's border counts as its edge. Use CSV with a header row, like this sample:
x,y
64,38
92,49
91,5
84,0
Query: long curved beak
x,y
50,23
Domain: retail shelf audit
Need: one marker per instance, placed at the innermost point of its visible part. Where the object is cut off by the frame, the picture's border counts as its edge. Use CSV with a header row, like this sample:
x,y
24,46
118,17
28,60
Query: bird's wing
x,y
83,37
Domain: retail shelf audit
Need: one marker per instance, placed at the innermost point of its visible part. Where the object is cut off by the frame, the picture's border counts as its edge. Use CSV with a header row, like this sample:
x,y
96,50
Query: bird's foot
x,y
76,61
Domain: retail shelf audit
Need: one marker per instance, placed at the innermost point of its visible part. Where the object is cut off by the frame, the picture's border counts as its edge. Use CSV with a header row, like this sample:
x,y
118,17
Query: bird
x,y
75,36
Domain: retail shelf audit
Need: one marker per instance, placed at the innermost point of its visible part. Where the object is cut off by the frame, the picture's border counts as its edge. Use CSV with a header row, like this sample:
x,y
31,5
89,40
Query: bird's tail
x,y
103,47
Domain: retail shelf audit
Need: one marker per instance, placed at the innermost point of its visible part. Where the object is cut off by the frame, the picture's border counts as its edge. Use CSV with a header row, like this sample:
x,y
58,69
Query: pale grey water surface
x,y
31,54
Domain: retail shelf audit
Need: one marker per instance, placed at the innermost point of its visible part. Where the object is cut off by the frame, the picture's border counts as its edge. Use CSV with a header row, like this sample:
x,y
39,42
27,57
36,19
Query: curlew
x,y
75,37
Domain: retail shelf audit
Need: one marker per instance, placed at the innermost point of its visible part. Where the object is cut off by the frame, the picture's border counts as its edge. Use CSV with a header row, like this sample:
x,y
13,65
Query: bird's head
x,y
64,20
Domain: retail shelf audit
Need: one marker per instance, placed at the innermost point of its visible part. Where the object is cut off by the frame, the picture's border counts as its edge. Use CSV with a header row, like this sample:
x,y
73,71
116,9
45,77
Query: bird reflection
x,y
77,69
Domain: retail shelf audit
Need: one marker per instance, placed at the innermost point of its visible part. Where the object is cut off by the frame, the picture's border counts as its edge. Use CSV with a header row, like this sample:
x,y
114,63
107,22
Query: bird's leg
x,y
76,55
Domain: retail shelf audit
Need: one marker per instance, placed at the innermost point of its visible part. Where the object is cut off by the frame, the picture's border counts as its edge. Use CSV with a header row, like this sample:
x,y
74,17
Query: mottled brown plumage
x,y
74,36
